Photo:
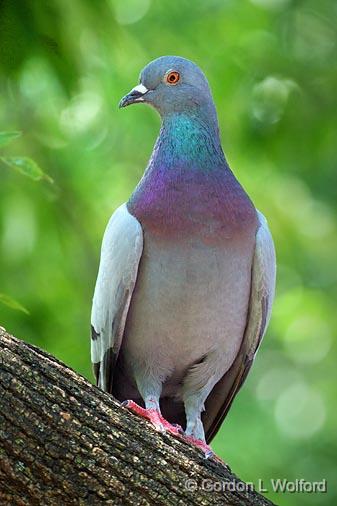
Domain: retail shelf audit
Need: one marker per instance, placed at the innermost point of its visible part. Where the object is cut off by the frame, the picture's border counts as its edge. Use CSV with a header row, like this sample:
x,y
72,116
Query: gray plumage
x,y
187,272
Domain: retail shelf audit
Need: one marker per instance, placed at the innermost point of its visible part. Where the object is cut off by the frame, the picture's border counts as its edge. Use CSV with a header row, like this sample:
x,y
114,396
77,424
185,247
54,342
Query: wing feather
x,y
122,248
259,311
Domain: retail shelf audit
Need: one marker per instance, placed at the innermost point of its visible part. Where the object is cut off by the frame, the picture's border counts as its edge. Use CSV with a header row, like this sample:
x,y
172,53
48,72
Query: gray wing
x,y
259,311
120,255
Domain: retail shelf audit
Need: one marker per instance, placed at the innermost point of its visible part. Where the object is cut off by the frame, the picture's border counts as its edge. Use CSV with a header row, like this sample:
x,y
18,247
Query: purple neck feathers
x,y
188,188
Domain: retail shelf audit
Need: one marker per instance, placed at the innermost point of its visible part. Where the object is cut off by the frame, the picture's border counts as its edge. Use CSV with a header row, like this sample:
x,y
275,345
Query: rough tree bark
x,y
63,441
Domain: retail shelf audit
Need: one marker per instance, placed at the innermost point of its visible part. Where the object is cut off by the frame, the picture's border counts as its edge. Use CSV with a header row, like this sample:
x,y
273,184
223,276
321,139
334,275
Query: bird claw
x,y
207,450
155,417
179,428
209,454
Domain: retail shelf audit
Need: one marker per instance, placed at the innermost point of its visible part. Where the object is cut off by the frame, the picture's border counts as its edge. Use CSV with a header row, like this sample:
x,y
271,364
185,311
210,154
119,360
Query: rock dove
x,y
187,270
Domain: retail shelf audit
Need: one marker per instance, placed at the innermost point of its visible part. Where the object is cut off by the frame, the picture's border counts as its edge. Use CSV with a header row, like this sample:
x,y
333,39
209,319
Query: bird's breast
x,y
209,205
190,299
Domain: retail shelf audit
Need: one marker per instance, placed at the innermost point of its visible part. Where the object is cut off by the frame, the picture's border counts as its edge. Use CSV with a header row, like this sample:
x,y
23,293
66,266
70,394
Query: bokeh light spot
x,y
270,4
300,411
314,36
19,229
308,339
130,11
81,113
274,381
270,97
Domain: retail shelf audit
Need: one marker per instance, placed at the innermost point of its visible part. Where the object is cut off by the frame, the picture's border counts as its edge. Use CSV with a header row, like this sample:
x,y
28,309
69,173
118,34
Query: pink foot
x,y
155,417
207,450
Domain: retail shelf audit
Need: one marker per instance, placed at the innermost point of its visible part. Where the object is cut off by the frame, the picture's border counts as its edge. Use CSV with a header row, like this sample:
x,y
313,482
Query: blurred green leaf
x,y
7,137
27,167
12,303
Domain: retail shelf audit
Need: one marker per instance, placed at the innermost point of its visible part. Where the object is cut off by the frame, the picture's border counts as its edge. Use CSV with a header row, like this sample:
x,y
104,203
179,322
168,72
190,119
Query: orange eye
x,y
172,77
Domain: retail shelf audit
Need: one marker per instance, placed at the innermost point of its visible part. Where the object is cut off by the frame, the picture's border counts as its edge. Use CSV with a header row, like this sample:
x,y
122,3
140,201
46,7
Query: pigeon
x,y
187,270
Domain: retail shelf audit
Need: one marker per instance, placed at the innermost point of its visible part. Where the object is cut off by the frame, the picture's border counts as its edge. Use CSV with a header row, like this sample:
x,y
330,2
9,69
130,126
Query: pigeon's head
x,y
171,84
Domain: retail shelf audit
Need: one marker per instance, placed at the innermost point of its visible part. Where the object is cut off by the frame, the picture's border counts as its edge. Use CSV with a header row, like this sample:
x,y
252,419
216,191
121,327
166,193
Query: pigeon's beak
x,y
136,95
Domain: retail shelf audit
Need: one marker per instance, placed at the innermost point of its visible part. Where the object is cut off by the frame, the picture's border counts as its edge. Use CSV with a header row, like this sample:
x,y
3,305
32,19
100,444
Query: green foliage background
x,y
272,66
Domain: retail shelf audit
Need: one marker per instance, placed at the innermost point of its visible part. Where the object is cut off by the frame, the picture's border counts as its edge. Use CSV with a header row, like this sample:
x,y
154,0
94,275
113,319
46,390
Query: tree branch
x,y
63,441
